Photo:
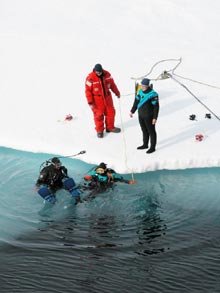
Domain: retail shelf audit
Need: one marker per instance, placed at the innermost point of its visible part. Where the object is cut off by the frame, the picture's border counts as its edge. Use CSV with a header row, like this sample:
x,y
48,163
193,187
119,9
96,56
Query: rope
x,y
199,82
192,80
125,95
159,77
49,161
80,153
170,74
124,140
161,61
186,88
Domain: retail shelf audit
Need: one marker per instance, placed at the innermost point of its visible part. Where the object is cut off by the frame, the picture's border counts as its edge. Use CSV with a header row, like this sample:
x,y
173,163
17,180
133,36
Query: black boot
x,y
114,130
100,134
151,150
142,147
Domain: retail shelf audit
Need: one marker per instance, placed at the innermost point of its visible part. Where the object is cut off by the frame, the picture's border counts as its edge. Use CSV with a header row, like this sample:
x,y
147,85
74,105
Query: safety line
x,y
186,88
124,140
170,74
161,61
199,82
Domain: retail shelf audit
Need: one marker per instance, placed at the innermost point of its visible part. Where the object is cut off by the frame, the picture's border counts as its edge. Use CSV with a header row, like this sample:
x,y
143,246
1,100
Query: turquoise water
x,y
160,235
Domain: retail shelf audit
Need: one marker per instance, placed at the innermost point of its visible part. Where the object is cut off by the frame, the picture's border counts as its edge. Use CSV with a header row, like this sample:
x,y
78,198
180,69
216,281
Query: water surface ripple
x,y
160,235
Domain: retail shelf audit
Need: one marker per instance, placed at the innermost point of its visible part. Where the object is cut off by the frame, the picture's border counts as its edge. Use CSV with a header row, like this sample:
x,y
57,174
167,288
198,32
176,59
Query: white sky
x,y
47,48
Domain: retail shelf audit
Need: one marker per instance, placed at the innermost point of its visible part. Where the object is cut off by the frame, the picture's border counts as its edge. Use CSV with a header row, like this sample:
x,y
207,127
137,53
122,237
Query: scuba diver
x,y
100,179
53,176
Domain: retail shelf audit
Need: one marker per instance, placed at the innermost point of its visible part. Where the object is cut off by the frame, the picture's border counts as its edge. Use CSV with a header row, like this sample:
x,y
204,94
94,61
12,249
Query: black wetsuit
x,y
148,108
52,177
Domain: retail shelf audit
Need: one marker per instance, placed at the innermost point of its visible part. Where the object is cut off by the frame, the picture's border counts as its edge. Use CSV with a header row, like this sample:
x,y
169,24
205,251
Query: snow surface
x,y
47,48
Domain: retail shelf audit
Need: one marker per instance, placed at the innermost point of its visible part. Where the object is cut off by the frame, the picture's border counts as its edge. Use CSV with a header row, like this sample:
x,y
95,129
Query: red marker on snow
x,y
199,137
69,117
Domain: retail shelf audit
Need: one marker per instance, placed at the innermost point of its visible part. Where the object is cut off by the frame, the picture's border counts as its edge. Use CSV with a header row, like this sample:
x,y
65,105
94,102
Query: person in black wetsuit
x,y
54,177
147,103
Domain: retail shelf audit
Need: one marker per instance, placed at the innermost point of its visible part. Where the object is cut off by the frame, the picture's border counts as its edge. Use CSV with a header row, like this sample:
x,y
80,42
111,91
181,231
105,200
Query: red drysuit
x,y
97,90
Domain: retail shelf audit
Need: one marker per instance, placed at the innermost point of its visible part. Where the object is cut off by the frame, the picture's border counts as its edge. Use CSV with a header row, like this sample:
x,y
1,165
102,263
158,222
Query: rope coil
x,y
170,74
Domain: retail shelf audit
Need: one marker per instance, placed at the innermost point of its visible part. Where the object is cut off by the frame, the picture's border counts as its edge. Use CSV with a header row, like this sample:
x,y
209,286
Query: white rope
x,y
165,74
196,81
124,141
165,60
186,88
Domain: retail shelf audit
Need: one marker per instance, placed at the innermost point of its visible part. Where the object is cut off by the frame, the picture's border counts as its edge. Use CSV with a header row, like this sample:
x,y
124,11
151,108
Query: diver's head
x,y
101,168
56,162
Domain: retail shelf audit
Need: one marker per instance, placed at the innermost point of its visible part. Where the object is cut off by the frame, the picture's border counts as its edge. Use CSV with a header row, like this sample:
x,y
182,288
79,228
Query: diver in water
x,y
53,177
100,179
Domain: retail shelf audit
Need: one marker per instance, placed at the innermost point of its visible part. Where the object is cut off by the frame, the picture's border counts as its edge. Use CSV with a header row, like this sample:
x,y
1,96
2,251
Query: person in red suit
x,y
97,90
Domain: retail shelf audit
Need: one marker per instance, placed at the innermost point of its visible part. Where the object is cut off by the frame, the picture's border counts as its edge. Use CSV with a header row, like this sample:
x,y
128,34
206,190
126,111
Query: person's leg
x,y
145,133
70,185
153,136
110,117
47,194
99,120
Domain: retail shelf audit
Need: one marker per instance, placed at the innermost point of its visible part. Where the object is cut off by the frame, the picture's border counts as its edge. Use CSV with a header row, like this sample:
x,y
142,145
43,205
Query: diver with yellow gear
x,y
101,178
